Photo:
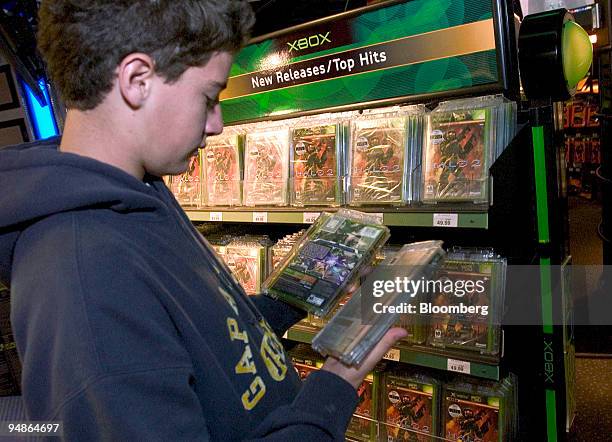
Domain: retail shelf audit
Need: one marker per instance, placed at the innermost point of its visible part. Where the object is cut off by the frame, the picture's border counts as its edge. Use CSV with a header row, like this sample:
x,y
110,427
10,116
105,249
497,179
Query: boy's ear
x,y
135,75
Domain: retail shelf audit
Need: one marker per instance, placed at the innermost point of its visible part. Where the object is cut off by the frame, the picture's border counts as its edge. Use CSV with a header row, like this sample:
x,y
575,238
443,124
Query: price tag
x,y
392,355
216,216
458,366
260,217
311,217
445,220
380,217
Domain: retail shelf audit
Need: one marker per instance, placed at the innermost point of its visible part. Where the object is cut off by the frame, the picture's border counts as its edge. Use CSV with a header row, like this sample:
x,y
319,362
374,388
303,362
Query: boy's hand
x,y
356,375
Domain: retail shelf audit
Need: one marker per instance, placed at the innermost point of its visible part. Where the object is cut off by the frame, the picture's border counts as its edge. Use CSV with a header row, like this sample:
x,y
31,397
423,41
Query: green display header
x,y
411,48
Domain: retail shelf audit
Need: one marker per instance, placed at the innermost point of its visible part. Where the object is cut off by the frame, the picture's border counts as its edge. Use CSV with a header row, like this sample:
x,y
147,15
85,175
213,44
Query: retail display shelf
x,y
423,217
421,358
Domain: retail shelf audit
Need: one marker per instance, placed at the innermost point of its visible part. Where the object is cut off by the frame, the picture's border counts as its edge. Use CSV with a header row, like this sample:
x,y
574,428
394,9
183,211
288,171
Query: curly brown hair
x,y
83,41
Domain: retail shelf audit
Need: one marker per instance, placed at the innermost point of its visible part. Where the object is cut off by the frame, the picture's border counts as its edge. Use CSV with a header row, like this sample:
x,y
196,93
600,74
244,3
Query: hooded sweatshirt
x,y
129,327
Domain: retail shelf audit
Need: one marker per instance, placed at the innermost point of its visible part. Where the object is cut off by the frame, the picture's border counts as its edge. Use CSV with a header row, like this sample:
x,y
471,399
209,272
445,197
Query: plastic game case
x,y
246,262
456,156
409,408
362,426
187,186
305,361
316,165
328,258
352,333
469,330
377,161
266,167
222,162
472,413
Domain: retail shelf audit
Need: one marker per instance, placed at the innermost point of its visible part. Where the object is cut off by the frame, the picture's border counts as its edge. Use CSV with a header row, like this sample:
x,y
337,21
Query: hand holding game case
x,y
352,333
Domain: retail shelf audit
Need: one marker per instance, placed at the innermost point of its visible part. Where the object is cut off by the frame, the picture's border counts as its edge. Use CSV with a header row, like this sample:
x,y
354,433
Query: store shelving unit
x,y
402,217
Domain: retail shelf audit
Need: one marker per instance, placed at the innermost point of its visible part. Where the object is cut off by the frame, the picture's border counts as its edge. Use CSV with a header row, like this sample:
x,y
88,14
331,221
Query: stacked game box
x,y
384,156
223,165
266,166
377,160
479,411
187,187
247,258
363,425
305,361
327,260
463,139
317,166
409,407
471,286
282,248
10,365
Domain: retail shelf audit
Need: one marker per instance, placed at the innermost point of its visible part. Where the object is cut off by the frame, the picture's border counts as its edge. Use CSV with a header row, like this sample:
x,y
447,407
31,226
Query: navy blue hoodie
x,y
128,326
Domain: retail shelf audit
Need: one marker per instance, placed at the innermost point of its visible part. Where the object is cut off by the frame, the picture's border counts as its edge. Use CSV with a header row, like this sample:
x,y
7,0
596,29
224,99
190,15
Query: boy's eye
x,y
211,103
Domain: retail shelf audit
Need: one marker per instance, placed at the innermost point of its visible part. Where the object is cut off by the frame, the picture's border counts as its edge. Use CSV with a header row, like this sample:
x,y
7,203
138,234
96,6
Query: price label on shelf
x,y
392,355
216,216
311,217
445,220
260,217
458,366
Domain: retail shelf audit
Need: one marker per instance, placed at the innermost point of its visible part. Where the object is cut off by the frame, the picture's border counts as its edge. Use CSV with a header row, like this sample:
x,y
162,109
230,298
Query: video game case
x,y
479,411
476,290
327,260
566,115
478,279
409,407
187,187
245,267
578,114
579,150
247,258
377,161
416,123
456,156
9,350
305,361
595,150
470,417
5,310
266,167
352,333
363,425
223,163
282,248
316,174
592,115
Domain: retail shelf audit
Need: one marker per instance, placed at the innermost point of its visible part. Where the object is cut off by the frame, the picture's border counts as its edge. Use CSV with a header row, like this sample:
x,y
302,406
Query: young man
x,y
128,326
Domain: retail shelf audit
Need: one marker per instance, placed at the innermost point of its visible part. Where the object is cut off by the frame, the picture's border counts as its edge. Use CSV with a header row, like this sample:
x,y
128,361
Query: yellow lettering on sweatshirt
x,y
253,395
235,333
